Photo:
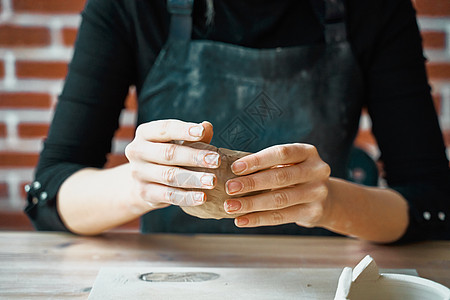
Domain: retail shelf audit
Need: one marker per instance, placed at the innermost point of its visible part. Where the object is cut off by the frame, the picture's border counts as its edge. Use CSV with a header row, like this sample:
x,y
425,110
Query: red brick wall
x,y
36,38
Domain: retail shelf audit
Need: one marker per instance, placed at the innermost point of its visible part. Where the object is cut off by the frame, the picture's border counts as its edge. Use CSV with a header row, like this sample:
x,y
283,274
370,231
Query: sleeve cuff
x,y
41,198
429,215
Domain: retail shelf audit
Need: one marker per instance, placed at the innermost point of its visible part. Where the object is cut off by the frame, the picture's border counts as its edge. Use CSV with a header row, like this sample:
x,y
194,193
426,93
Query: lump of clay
x,y
215,198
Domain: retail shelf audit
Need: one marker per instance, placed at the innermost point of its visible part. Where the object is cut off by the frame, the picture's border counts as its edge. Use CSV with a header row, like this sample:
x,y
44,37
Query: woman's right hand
x,y
155,162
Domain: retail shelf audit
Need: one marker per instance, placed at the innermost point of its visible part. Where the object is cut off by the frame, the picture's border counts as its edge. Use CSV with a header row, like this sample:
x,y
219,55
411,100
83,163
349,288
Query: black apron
x,y
255,98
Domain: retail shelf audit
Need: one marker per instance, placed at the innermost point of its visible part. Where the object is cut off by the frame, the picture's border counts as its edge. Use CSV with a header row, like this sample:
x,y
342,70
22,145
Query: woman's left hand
x,y
297,182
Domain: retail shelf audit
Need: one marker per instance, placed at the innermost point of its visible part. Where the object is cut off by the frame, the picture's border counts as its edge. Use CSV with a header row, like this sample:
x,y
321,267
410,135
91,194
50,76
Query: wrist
x,y
332,209
133,202
375,214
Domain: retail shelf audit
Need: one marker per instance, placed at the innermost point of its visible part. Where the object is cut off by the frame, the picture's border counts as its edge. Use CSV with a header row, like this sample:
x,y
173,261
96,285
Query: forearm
x,y
374,214
92,201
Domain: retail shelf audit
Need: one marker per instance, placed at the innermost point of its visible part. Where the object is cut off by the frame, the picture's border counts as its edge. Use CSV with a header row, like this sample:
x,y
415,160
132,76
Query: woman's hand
x,y
298,182
155,162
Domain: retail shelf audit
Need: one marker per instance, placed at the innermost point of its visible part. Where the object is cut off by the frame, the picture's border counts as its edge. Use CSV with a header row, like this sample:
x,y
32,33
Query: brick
x,y
131,101
125,132
48,6
437,102
2,130
22,192
446,135
4,191
115,160
17,159
16,36
434,8
2,69
433,39
14,220
69,36
25,100
364,138
438,70
32,130
41,69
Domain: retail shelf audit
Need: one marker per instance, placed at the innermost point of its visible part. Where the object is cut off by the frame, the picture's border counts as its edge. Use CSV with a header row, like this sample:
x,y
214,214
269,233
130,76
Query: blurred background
x,y
36,43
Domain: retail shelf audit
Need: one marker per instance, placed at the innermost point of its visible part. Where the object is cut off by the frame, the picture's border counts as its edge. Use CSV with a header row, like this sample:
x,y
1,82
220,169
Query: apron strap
x,y
331,14
181,19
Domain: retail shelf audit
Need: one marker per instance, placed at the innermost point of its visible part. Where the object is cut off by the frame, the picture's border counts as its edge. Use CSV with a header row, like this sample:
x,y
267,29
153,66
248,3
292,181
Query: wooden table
x,y
59,266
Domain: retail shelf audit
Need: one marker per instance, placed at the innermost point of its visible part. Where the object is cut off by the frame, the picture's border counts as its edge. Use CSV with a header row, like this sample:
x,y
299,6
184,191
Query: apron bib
x,y
255,98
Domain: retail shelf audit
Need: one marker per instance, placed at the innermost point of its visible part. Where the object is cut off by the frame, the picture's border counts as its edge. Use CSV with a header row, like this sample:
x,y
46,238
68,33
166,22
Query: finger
x,y
208,135
272,156
276,178
173,154
174,176
157,196
168,130
277,199
306,215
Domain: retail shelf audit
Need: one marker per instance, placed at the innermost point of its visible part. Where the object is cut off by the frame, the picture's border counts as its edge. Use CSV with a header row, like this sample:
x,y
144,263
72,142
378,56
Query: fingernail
x,y
207,180
239,167
212,159
241,221
196,131
233,187
199,197
232,205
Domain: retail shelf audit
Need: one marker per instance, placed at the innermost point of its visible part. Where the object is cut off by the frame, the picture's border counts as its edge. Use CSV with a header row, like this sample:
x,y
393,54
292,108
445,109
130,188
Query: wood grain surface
x,y
41,265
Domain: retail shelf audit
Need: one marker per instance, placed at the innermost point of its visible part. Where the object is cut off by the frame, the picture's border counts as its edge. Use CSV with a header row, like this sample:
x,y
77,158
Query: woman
x,y
286,80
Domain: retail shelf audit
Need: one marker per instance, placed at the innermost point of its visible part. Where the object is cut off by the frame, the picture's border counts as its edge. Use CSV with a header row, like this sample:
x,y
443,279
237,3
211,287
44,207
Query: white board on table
x,y
231,283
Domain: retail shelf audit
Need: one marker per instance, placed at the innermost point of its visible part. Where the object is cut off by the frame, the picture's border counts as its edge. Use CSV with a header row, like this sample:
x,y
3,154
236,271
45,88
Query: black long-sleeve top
x,y
119,40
